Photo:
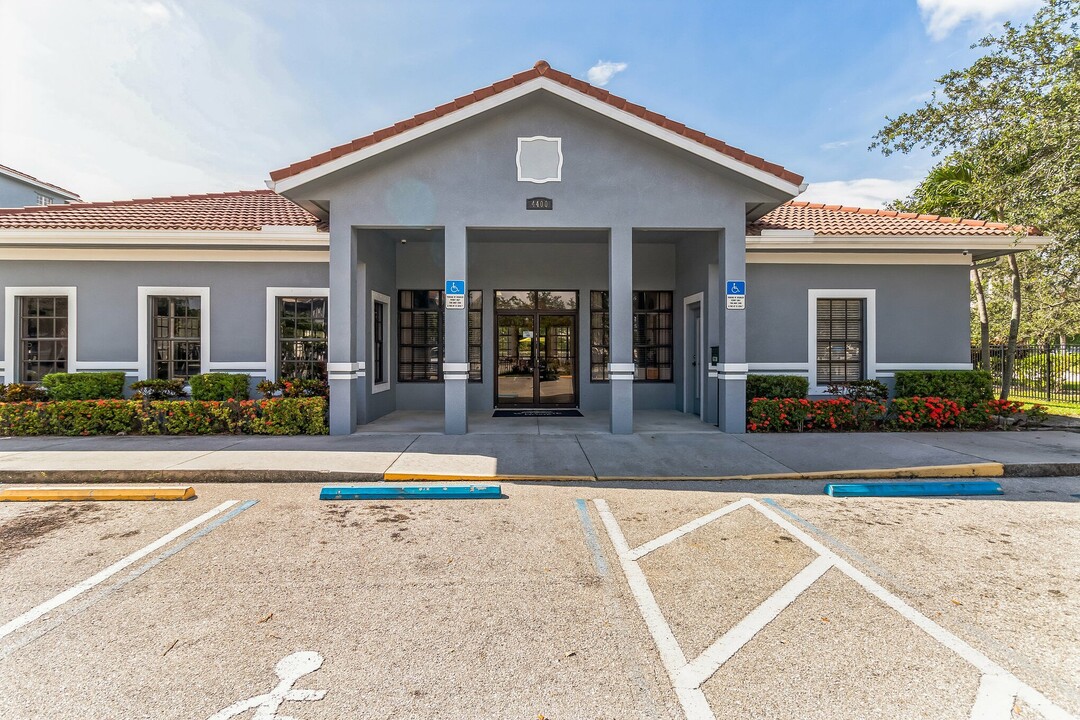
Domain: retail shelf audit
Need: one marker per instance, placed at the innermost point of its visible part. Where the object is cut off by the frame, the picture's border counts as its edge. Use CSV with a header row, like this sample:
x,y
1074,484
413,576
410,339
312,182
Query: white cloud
x,y
130,98
837,144
602,72
862,192
943,16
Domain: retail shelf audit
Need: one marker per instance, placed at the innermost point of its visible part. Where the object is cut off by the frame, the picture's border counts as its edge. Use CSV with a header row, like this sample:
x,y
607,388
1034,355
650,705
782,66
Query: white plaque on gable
x,y
539,159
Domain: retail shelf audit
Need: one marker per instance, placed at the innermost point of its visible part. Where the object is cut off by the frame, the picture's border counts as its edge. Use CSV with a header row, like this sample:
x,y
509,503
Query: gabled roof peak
x,y
588,94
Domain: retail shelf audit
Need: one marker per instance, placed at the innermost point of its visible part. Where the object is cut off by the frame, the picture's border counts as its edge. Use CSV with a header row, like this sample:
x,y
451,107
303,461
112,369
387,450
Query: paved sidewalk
x,y
512,456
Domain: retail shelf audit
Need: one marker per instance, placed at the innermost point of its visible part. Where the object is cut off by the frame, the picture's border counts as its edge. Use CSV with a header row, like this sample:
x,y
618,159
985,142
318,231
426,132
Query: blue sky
x,y
133,98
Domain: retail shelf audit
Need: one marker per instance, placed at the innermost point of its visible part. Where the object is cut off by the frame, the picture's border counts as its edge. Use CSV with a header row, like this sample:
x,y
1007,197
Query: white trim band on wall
x,y
732,368
621,367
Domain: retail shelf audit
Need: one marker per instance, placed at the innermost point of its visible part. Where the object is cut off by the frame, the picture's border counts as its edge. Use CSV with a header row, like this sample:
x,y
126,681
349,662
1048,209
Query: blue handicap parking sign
x,y
455,287
736,287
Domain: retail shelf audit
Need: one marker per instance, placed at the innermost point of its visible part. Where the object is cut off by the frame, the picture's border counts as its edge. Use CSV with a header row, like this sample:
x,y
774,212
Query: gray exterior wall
x,y
107,301
922,310
16,193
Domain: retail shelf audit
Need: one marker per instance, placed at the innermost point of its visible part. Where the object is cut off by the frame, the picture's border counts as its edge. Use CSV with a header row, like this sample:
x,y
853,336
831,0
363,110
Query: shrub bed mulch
x,y
279,416
902,414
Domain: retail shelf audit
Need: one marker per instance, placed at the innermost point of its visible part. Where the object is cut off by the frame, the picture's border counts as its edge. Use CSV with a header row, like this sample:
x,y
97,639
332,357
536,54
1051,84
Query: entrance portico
x,y
528,189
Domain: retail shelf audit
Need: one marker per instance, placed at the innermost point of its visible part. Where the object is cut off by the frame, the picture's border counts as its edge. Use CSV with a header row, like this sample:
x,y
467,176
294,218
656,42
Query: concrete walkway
x,y
537,455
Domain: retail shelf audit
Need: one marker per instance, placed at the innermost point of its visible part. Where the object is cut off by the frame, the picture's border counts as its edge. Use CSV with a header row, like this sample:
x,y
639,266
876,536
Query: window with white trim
x,y
841,340
380,336
43,336
44,199
302,337
176,337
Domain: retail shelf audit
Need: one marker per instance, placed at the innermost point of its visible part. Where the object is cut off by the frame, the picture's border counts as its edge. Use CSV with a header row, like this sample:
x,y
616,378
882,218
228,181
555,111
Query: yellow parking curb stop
x,y
74,493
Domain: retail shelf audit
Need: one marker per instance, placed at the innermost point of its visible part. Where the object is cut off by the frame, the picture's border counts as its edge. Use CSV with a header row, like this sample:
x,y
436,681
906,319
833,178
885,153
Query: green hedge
x,y
776,386
962,386
84,385
219,386
282,416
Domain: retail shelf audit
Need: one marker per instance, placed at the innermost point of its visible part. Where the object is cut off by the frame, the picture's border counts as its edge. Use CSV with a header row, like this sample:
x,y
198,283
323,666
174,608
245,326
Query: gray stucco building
x,y
537,244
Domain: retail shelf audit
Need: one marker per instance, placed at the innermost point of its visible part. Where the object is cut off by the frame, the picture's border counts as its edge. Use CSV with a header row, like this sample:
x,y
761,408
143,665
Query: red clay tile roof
x,y
540,69
241,210
252,209
832,220
31,178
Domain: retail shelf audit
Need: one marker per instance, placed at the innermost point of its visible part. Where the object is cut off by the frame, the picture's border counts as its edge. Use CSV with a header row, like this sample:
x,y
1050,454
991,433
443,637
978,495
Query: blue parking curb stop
x,y
913,489
413,492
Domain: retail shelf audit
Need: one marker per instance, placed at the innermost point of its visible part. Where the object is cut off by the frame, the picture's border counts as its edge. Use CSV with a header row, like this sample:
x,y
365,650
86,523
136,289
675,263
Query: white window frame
x,y
148,291
11,325
272,295
385,301
869,341
539,181
44,200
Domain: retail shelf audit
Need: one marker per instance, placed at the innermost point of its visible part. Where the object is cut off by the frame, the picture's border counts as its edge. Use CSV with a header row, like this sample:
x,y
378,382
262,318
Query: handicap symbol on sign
x,y
455,287
736,288
289,669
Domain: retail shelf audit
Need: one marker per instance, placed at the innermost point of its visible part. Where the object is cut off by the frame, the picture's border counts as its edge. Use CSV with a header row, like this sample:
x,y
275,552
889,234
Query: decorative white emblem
x,y
289,669
539,159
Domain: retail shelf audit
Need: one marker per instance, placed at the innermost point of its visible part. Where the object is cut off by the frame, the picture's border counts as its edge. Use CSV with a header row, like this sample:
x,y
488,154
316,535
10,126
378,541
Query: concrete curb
x,y
967,470
101,493
1042,469
19,477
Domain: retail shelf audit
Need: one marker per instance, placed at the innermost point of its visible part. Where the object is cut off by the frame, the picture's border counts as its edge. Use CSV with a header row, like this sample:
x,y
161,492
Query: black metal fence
x,y
1046,372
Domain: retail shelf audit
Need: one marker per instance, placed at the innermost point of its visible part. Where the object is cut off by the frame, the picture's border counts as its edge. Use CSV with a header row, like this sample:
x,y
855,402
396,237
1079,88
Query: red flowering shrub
x,y
777,414
925,413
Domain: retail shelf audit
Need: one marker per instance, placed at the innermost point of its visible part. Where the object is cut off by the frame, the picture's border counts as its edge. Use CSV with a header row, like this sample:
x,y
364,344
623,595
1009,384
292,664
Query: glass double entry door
x,y
535,348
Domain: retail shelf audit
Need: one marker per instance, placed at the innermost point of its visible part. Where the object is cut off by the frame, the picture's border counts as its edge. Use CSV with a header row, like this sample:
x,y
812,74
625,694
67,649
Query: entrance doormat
x,y
538,412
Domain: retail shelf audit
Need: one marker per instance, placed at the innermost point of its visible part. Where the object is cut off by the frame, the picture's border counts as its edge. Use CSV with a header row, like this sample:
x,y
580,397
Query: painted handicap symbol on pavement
x,y
289,669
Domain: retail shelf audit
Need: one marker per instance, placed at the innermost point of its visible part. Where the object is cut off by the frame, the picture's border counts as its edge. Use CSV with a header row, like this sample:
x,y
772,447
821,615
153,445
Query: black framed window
x,y
176,333
841,332
599,335
378,343
302,337
654,338
476,336
421,331
43,337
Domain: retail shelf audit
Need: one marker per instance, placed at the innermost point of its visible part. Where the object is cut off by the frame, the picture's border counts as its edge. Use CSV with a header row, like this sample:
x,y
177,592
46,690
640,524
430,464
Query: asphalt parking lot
x,y
262,601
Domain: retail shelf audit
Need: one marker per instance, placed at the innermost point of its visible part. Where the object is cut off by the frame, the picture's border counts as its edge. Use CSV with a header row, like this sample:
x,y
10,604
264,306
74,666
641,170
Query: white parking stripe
x,y
997,691
995,699
692,700
643,550
701,669
73,592
984,664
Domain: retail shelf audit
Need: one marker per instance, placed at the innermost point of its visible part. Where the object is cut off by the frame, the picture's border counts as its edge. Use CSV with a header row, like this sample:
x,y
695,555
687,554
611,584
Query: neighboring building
x,y
18,190
539,243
